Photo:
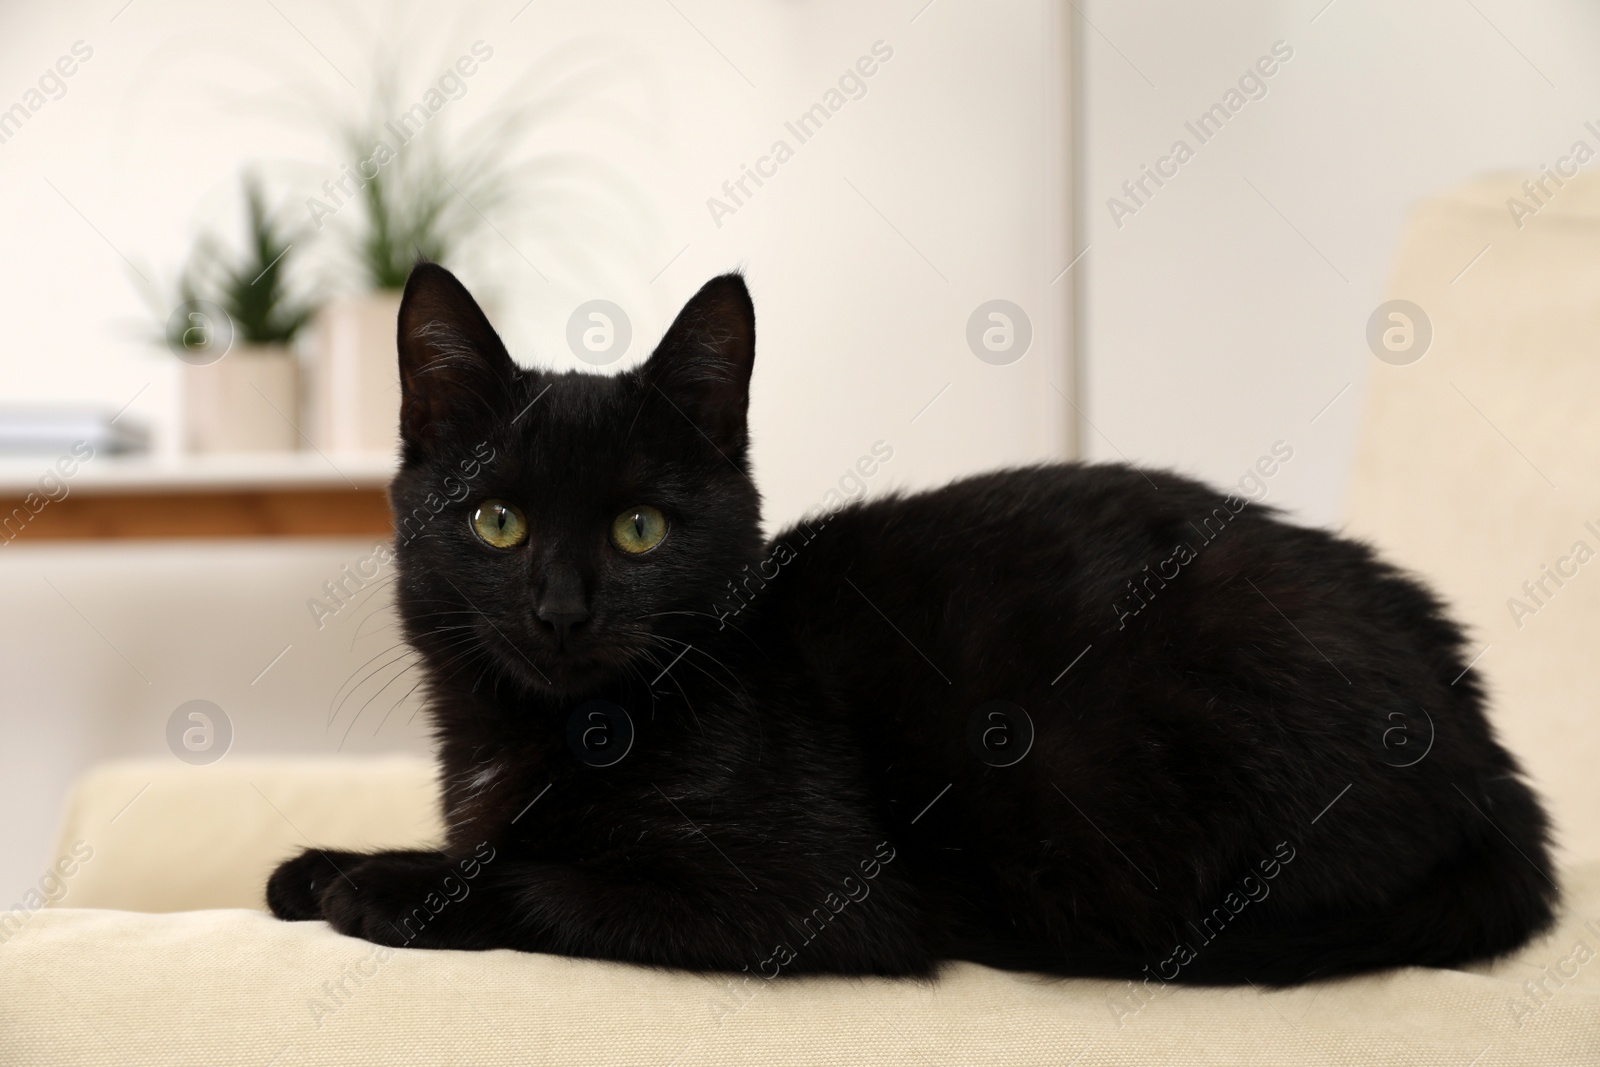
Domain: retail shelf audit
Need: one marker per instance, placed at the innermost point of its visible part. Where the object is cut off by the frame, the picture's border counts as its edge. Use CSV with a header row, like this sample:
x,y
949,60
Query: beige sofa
x,y
148,985
1478,466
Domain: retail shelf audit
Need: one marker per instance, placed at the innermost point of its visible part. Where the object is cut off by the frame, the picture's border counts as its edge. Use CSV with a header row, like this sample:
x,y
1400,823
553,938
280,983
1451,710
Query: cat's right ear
x,y
455,373
703,364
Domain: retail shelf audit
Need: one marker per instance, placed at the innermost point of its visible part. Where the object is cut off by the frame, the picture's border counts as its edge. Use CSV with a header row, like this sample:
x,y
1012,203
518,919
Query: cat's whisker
x,y
458,647
719,682
400,673
392,707
725,620
343,696
667,673
481,675
696,649
465,653
508,642
340,696
379,611
688,662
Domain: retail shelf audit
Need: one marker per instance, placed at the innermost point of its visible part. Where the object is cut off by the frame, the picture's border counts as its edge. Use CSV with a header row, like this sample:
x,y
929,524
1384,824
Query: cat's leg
x,y
421,899
669,916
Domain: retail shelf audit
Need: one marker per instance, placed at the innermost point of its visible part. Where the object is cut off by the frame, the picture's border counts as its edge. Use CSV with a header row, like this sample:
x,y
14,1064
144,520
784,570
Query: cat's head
x,y
553,529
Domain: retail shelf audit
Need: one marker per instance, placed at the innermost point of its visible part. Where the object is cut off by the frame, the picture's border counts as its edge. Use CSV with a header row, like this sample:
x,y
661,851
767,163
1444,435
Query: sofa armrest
x,y
165,836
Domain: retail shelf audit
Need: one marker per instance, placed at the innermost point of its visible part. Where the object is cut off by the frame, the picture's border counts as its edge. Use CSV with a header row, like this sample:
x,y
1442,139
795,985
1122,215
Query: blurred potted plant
x,y
415,187
405,205
233,329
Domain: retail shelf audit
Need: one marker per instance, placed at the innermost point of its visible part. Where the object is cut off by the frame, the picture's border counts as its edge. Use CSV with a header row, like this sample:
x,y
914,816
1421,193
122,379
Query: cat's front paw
x,y
391,898
294,892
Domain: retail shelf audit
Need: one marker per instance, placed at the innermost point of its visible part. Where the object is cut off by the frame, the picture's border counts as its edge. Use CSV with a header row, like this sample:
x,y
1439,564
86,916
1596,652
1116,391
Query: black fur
x,y
1277,767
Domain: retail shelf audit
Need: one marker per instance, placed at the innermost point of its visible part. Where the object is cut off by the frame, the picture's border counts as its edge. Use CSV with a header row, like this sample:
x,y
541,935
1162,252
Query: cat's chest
x,y
552,798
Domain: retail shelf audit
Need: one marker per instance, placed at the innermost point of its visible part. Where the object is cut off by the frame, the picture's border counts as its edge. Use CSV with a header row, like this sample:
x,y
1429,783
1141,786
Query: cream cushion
x,y
225,987
234,985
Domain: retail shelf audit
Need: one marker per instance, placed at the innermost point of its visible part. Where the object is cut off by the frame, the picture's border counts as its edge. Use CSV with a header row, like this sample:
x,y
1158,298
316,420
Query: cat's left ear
x,y
703,363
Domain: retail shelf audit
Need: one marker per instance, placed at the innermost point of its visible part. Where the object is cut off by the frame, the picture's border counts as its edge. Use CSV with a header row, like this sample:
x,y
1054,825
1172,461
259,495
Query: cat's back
x,y
1087,520
1032,495
1014,572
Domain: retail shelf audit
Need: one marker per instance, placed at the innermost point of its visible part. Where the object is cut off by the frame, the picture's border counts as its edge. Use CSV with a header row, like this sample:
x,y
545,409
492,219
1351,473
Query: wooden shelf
x,y
292,494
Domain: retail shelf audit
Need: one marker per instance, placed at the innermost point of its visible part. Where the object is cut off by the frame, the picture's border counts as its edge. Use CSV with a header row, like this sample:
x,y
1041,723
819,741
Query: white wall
x,y
941,188
1212,327
863,293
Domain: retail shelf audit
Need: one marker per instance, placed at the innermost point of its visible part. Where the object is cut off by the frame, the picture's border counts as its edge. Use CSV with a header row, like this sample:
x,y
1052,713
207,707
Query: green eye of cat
x,y
499,524
638,529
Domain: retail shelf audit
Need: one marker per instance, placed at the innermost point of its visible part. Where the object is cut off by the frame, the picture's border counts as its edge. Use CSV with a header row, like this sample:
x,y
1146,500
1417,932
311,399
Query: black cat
x,y
1072,719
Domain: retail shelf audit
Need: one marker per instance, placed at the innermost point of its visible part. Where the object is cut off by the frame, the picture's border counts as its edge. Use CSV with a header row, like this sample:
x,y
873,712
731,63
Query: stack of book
x,y
54,431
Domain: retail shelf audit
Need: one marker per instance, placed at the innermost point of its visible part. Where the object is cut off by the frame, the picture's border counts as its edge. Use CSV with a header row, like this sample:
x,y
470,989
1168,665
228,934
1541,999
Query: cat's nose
x,y
563,605
563,621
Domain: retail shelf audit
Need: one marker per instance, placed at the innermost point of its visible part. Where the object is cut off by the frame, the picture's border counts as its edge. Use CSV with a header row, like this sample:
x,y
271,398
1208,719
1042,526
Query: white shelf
x,y
245,471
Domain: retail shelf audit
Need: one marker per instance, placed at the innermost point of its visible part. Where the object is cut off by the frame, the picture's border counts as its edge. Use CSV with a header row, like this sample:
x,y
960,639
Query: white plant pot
x,y
353,380
243,402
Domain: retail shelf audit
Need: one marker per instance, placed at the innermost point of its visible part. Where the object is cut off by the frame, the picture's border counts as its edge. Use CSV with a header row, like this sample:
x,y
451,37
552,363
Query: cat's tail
x,y
1486,900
